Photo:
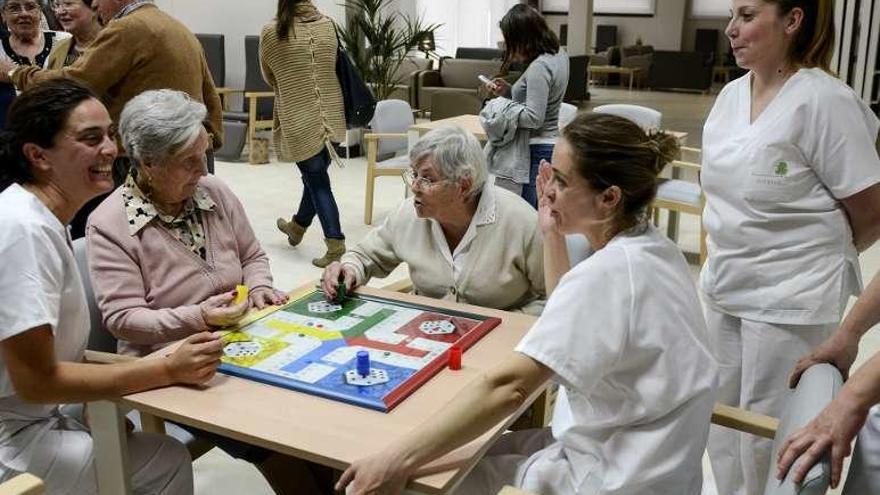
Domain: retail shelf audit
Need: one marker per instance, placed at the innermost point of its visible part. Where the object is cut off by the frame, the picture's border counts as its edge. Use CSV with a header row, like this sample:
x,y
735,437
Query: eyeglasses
x,y
412,179
65,6
18,8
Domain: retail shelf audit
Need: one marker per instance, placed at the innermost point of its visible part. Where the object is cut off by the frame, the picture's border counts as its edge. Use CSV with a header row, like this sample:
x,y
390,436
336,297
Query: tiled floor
x,y
273,190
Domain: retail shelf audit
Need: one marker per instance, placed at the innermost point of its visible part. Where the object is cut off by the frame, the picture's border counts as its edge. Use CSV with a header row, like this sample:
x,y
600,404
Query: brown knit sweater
x,y
147,49
308,99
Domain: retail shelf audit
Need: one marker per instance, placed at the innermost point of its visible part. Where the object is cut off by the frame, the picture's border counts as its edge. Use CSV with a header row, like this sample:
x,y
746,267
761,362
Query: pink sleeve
x,y
120,295
254,262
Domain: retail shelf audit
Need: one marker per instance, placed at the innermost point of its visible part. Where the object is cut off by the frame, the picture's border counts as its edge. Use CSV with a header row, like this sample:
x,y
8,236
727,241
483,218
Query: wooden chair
x,y
682,196
387,140
23,484
258,96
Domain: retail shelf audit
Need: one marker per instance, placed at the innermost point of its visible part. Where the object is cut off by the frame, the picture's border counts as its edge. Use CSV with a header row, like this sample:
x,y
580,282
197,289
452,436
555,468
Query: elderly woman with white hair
x,y
464,239
168,247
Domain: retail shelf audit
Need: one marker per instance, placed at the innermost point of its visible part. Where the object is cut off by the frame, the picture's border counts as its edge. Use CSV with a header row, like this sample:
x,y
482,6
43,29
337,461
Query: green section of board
x,y
301,307
368,322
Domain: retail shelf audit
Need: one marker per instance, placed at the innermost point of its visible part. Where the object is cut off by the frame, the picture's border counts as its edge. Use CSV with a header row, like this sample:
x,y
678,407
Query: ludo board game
x,y
364,350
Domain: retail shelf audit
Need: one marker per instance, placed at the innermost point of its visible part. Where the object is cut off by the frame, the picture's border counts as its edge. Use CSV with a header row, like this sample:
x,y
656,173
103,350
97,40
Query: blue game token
x,y
363,363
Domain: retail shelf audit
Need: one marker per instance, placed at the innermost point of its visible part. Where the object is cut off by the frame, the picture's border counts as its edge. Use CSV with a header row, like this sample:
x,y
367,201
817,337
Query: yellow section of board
x,y
312,332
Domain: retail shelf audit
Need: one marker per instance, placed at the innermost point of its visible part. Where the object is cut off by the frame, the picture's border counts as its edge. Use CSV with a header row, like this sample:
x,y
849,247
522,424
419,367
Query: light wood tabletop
x,y
324,431
470,123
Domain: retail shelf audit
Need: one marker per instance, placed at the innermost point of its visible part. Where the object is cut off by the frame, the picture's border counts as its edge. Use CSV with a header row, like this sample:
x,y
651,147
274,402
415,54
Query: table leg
x,y
631,80
111,452
672,224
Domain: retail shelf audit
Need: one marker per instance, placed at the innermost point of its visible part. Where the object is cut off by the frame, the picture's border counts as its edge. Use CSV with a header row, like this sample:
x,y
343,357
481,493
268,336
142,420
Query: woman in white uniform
x,y
55,155
622,333
790,174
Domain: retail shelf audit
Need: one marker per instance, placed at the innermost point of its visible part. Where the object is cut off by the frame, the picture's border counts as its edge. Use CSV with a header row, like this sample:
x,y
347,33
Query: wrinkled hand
x,y
839,350
834,428
218,311
262,297
381,474
195,361
330,279
545,220
499,87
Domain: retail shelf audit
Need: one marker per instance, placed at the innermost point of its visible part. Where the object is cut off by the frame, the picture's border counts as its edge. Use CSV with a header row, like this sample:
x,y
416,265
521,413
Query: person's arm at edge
x,y
485,402
863,210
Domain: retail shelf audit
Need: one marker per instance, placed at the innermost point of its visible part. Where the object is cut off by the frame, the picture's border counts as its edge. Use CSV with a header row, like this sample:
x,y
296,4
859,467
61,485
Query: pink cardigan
x,y
148,286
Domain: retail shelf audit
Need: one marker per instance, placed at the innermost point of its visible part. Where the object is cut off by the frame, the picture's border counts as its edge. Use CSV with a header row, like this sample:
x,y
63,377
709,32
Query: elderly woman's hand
x,y
218,311
331,278
260,297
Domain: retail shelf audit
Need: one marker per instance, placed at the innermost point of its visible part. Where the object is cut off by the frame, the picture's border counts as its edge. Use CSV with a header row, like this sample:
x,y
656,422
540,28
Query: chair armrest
x,y
747,421
509,490
228,91
429,78
259,94
404,285
23,484
685,165
375,136
98,357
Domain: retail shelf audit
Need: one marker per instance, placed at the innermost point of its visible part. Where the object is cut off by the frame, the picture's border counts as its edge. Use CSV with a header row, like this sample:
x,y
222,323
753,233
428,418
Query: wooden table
x,y
613,69
470,123
320,430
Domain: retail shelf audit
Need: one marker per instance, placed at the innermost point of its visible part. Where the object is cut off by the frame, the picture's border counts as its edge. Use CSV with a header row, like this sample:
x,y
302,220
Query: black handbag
x,y
358,100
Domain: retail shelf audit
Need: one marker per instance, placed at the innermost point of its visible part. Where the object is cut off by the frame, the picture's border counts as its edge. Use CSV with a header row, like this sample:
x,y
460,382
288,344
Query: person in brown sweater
x,y
140,48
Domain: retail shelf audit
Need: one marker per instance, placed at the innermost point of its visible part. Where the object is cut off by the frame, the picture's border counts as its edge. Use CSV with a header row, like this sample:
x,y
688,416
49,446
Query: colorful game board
x,y
312,346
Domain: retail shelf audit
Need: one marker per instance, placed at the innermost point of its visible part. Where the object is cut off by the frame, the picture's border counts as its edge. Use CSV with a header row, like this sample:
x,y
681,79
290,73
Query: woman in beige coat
x,y
298,58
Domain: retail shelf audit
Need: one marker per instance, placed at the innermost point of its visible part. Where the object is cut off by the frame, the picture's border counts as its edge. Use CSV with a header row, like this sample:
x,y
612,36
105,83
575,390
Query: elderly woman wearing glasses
x,y
463,239
78,19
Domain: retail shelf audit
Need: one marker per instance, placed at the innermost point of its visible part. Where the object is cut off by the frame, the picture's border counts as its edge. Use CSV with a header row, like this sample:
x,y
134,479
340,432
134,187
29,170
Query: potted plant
x,y
378,39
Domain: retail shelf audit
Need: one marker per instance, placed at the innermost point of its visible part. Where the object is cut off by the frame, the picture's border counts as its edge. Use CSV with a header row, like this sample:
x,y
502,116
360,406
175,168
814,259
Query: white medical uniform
x,y
781,259
40,285
625,337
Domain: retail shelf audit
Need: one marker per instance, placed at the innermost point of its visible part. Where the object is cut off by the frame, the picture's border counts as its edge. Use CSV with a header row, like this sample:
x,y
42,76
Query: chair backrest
x,y
479,53
408,66
577,78
253,77
817,388
392,116
214,46
706,42
462,73
99,338
646,118
567,113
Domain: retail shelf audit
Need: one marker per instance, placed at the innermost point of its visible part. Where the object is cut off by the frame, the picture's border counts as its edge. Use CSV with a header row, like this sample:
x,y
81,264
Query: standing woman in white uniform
x,y
55,155
790,174
622,333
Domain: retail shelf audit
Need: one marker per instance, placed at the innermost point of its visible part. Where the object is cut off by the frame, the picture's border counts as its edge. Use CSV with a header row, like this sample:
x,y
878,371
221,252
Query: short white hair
x,y
456,154
157,124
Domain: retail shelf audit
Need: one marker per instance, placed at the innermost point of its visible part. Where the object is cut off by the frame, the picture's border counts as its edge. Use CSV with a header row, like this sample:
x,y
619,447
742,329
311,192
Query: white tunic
x,y
780,244
40,285
624,334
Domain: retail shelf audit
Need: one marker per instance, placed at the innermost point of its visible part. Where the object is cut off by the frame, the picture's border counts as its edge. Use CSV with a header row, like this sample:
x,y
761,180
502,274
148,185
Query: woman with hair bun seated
x,y
463,238
622,333
55,155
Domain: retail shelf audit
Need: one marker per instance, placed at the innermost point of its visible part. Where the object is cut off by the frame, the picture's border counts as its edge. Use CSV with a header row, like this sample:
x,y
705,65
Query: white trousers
x,y
754,362
62,456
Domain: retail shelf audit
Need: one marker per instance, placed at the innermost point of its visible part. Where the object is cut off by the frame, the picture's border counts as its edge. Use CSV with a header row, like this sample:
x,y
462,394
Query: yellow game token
x,y
241,294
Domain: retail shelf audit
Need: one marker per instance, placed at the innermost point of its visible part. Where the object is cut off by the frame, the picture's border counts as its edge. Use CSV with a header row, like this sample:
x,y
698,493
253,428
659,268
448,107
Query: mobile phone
x,y
486,80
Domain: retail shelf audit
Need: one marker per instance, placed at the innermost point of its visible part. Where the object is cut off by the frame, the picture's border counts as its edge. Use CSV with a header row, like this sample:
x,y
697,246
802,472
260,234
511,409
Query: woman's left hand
x,y
261,297
380,474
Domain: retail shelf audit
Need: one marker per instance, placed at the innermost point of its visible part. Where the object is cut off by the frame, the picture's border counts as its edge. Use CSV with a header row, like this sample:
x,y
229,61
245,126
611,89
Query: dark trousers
x,y
318,197
537,152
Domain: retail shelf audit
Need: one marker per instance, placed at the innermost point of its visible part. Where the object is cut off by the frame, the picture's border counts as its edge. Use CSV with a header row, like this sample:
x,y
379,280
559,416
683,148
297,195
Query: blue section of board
x,y
333,385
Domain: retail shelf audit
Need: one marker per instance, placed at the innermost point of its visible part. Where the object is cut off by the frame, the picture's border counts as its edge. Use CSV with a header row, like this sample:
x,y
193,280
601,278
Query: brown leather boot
x,y
293,230
335,250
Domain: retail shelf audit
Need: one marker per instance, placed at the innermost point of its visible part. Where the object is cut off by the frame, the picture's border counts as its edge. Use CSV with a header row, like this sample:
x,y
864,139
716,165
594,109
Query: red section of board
x,y
382,346
462,327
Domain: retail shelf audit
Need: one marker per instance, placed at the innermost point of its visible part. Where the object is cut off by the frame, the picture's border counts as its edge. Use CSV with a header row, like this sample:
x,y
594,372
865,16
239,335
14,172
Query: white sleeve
x,y
583,330
842,147
30,280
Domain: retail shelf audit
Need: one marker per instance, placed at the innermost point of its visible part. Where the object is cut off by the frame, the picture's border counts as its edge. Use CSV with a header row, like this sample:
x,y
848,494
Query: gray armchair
x,y
406,76
456,85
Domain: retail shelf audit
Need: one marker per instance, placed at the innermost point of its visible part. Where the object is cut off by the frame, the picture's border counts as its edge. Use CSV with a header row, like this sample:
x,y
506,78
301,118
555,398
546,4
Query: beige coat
x,y
503,267
308,99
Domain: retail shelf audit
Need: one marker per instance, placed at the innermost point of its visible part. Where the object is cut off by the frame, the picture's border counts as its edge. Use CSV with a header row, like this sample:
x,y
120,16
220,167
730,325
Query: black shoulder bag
x,y
357,98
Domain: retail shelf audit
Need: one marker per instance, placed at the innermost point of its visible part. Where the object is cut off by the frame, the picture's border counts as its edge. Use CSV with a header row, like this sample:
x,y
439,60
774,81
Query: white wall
x,y
663,30
234,19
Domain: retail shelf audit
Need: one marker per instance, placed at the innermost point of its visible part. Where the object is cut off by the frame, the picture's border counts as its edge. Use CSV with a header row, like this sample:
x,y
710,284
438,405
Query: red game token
x,y
455,357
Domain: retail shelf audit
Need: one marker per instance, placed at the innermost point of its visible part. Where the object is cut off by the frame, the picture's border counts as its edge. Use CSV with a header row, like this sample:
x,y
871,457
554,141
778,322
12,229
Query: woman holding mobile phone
x,y
528,40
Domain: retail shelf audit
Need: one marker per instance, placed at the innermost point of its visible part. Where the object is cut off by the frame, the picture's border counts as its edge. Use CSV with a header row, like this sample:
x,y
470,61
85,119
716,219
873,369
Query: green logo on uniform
x,y
781,169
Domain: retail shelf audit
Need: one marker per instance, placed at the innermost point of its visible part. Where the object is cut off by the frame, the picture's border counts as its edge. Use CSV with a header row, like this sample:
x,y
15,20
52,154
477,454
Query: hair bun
x,y
665,148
